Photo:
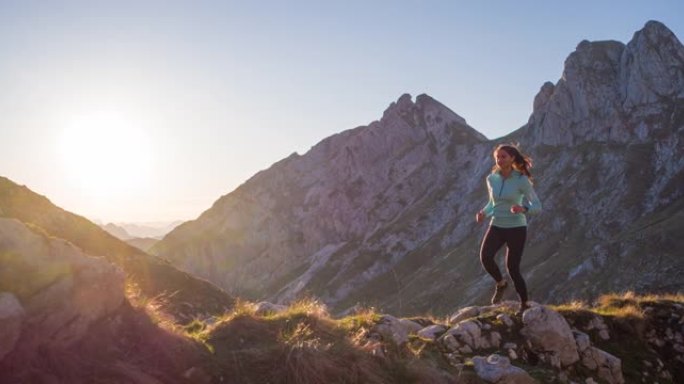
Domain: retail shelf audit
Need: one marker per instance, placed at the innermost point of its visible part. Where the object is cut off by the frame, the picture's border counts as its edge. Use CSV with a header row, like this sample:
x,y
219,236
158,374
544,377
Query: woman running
x,y
509,182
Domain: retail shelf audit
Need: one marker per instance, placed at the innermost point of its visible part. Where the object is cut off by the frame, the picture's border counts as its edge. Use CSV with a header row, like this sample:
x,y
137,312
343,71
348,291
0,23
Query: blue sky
x,y
203,94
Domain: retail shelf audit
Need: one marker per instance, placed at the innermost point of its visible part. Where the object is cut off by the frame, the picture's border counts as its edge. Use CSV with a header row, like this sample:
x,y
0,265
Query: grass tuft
x,y
308,307
240,308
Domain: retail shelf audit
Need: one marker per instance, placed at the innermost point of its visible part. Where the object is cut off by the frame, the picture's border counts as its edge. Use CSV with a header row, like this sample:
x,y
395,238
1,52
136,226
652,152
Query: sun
x,y
104,154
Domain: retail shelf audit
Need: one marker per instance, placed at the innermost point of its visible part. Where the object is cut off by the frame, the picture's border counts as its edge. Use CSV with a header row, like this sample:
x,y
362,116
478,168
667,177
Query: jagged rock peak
x,y
653,66
543,96
423,102
610,91
593,57
403,104
429,113
653,30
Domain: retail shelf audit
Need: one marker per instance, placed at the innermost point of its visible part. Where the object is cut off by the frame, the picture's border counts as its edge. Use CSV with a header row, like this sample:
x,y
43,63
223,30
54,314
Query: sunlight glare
x,y
104,154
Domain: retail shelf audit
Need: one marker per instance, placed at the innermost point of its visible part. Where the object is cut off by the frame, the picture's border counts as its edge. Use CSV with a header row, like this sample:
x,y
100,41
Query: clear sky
x,y
146,111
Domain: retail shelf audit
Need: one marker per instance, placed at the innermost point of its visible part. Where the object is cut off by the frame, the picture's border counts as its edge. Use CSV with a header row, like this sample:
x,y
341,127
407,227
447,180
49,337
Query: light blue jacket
x,y
505,193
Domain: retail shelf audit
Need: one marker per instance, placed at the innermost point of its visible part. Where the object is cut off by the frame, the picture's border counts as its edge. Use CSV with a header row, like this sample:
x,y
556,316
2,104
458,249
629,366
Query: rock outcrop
x,y
64,318
503,351
52,292
550,335
562,347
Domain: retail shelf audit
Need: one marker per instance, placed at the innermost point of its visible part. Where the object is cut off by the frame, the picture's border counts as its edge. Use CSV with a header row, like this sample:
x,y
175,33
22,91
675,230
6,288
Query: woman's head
x,y
508,155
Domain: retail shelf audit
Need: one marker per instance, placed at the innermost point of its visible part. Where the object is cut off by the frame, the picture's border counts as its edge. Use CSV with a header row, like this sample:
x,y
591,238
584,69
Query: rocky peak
x,y
653,66
608,90
399,107
430,114
334,194
543,96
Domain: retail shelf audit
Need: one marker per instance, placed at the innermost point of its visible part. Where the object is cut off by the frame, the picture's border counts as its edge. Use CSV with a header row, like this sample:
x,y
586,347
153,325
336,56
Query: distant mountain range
x,y
141,236
383,214
126,231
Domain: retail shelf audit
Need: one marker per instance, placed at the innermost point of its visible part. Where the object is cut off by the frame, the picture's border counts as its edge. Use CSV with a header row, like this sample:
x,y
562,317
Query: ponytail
x,y
521,162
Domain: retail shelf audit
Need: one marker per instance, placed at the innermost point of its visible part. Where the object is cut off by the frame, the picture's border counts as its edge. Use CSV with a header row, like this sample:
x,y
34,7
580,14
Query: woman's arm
x,y
533,205
488,209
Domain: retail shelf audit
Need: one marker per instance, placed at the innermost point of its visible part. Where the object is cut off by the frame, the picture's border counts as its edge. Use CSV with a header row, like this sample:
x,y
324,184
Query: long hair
x,y
521,162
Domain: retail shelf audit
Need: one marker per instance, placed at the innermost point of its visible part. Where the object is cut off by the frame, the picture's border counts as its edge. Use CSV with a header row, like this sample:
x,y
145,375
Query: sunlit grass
x,y
152,306
240,308
307,306
363,318
619,305
576,305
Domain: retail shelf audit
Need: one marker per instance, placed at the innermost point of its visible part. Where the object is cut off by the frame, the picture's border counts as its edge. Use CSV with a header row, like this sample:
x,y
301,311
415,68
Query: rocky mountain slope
x,y
65,318
186,297
383,214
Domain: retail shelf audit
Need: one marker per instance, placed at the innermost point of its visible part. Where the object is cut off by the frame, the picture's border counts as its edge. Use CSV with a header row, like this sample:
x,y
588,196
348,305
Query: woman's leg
x,y
492,242
515,244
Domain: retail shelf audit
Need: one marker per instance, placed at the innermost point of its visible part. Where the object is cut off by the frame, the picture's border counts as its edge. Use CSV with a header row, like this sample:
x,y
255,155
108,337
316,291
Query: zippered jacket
x,y
505,193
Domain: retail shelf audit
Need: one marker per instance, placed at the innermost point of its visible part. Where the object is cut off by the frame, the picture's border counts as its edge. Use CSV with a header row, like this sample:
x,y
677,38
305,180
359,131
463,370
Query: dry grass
x,y
572,306
363,319
307,306
241,308
619,305
303,344
630,305
152,306
613,299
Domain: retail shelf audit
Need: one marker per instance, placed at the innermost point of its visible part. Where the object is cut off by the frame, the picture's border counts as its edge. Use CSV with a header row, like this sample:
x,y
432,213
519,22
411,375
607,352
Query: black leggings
x,y
514,238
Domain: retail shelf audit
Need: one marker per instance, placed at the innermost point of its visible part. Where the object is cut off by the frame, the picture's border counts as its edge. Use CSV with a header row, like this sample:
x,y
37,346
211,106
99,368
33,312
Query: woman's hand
x,y
479,217
517,209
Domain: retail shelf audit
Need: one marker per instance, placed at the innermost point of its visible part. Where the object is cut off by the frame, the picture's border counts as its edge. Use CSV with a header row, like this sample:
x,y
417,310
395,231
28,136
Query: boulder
x,y
412,326
498,369
464,313
582,340
549,334
393,329
608,367
468,332
432,331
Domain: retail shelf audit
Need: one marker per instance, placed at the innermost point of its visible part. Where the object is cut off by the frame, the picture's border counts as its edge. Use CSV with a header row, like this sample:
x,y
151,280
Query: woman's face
x,y
503,159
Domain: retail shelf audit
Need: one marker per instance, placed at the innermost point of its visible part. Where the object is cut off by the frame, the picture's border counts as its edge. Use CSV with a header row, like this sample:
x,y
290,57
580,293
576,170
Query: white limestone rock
x,y
393,329
431,332
498,369
608,367
464,313
549,333
468,332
